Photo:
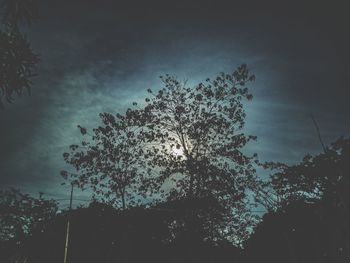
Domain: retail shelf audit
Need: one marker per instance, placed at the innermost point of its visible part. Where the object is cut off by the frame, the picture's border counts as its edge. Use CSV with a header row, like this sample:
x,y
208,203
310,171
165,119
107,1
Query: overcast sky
x,y
101,56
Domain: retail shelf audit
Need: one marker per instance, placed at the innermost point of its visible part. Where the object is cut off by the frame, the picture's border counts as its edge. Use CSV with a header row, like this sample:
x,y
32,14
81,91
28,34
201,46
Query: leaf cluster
x,y
21,214
323,176
17,60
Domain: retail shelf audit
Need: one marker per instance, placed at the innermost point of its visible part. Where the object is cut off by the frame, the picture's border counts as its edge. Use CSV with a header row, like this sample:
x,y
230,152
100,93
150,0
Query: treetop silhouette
x,y
17,60
183,142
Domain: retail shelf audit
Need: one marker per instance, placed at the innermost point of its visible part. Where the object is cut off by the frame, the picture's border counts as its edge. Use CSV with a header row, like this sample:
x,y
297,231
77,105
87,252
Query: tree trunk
x,y
122,197
123,201
190,192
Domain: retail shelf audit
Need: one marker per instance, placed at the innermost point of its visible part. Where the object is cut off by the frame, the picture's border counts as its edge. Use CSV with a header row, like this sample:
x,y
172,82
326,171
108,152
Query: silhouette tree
x,y
292,234
21,213
317,190
110,161
102,233
323,176
201,126
17,60
184,143
196,141
21,216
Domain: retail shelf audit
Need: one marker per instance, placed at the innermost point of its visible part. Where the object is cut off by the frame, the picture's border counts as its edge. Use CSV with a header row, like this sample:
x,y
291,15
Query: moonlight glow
x,y
177,151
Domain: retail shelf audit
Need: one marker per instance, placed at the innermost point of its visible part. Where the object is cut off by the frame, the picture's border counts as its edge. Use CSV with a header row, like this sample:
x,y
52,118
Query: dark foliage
x,y
21,218
325,176
17,60
101,233
306,225
301,233
311,218
184,143
110,160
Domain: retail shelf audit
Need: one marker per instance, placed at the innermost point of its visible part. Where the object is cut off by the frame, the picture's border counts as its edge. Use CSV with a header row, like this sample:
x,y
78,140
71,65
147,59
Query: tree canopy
x,y
323,176
20,214
17,60
110,160
309,220
182,143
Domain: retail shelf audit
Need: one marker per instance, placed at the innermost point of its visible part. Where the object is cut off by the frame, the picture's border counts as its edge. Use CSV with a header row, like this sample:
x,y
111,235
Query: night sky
x,y
102,55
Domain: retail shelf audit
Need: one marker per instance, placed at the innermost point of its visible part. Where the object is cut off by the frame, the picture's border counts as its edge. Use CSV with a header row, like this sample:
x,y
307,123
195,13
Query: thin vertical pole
x,y
68,223
319,134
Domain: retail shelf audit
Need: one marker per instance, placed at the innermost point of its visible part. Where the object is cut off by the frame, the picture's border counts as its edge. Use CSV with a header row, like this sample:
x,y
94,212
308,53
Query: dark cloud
x,y
102,55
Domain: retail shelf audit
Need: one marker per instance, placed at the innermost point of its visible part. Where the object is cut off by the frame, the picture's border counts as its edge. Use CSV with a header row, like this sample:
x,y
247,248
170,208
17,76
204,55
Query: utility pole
x,y
68,221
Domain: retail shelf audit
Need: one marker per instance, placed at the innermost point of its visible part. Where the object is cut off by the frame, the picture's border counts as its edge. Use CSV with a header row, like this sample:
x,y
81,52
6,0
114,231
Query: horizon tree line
x,y
183,150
